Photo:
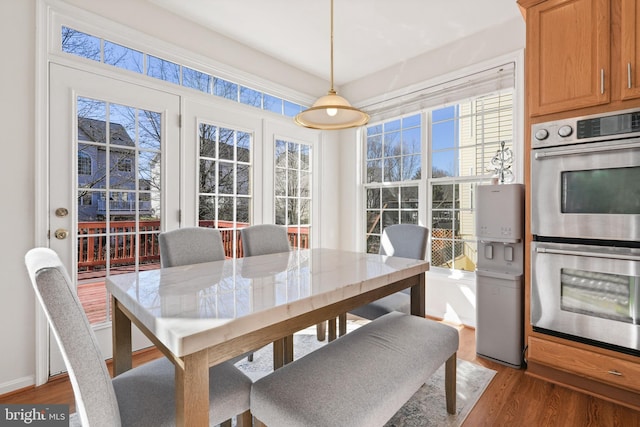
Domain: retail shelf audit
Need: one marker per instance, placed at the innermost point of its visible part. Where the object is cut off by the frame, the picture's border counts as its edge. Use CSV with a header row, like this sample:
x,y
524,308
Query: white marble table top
x,y
193,307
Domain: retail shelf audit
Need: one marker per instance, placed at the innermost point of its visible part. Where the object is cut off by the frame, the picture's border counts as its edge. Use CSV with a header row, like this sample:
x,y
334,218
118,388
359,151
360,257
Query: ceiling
x,y
369,35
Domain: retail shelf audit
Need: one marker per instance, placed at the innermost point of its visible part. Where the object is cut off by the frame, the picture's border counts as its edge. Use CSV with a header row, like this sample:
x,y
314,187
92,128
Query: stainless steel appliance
x,y
588,292
585,218
585,175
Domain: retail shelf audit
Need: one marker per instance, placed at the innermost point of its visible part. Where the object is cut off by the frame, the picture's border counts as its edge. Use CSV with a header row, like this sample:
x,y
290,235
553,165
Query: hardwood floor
x,y
512,398
515,399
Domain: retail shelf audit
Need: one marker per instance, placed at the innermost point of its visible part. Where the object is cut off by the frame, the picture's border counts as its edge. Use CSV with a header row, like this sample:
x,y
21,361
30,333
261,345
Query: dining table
x,y
200,315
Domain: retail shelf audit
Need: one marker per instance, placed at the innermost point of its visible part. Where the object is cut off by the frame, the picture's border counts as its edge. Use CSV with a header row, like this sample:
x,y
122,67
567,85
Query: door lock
x,y
62,212
61,233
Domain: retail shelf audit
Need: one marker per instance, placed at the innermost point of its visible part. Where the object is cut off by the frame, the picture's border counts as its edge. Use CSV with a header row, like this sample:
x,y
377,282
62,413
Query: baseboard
x,y
17,384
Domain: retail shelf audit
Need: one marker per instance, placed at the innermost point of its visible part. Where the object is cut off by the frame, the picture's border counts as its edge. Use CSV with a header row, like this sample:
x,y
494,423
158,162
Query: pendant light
x,y
331,112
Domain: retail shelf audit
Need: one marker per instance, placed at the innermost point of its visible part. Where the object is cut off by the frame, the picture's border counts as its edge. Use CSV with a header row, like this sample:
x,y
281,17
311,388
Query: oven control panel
x,y
599,127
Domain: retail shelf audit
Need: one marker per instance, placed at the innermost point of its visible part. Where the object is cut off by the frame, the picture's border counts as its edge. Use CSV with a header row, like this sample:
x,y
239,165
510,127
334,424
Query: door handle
x,y
61,233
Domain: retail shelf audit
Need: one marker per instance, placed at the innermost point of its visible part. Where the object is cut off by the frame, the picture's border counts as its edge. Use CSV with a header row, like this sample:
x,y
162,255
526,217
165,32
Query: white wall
x,y
17,318
491,43
17,168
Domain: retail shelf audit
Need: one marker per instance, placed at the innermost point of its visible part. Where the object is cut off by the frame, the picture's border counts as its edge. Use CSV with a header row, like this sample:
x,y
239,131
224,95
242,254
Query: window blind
x,y
444,93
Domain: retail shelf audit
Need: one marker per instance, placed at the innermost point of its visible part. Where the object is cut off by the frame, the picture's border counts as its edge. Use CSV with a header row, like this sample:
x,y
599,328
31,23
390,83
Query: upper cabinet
x,y
630,45
568,55
581,54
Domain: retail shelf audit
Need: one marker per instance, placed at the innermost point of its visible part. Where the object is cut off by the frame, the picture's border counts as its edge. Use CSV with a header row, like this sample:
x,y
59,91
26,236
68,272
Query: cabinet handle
x,y
629,75
614,372
601,80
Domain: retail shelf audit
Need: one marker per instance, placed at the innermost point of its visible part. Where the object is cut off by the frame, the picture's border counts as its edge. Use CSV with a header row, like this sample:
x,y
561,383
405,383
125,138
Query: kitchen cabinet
x,y
581,54
630,46
568,55
582,57
610,377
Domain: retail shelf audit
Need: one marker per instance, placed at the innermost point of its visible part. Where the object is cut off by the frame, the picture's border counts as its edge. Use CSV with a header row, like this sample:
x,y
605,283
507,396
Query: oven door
x,y
587,292
588,191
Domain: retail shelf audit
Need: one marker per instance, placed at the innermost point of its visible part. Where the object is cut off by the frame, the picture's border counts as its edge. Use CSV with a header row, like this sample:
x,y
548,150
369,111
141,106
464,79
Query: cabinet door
x,y
568,55
630,29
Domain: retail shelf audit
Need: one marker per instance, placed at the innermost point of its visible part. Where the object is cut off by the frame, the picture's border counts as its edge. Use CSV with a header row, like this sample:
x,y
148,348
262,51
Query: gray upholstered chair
x,y
190,245
143,396
401,240
264,239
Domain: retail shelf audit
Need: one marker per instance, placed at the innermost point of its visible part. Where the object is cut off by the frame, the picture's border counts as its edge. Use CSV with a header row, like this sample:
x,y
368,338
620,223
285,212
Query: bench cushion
x,y
360,379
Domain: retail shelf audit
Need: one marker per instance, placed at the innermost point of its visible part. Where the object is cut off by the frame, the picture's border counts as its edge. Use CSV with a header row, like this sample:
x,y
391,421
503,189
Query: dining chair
x,y
264,239
190,245
400,240
142,396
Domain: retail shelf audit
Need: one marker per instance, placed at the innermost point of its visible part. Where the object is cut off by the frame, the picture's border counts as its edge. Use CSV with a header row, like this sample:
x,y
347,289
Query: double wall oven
x,y
585,220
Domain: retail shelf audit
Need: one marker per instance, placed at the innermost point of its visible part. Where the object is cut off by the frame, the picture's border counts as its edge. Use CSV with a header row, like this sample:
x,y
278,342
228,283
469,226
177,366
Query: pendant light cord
x,y
331,90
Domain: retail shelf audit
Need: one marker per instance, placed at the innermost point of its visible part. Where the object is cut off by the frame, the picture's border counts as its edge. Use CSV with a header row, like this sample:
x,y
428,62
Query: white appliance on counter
x,y
499,273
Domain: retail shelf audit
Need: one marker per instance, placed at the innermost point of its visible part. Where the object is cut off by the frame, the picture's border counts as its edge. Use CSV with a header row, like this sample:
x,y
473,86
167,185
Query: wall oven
x,y
591,293
585,221
586,178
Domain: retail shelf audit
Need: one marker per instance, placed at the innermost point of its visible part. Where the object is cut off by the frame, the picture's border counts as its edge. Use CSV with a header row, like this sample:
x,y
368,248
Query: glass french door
x,y
113,185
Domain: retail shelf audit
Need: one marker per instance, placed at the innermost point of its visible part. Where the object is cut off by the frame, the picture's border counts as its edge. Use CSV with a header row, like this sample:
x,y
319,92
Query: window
x,y
293,190
464,139
387,206
85,198
393,170
224,182
125,165
84,164
97,49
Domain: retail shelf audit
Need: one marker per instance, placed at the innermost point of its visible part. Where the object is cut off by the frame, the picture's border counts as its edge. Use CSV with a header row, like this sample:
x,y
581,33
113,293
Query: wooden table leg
x,y
321,331
418,295
121,339
288,349
282,352
332,329
192,390
342,324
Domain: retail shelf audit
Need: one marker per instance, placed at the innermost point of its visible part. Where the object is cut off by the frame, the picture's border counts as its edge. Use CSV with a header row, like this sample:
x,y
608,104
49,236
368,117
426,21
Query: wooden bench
x,y
360,379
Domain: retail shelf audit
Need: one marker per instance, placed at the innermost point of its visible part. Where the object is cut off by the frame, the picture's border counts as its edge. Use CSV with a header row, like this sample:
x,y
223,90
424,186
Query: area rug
x,y
426,408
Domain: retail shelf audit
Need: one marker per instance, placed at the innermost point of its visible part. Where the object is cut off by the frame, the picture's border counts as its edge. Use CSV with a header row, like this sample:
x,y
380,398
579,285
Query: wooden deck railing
x,y
92,255
92,244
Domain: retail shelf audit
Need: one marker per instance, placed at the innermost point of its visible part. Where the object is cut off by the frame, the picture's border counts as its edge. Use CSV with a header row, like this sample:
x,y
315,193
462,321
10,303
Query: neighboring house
x,y
117,183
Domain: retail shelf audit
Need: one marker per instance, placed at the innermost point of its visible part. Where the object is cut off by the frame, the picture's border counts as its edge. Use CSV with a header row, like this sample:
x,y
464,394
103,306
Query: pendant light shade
x,y
331,112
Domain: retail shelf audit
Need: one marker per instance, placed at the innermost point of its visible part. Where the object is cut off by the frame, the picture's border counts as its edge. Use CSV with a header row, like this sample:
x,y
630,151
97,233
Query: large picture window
x,y
458,142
